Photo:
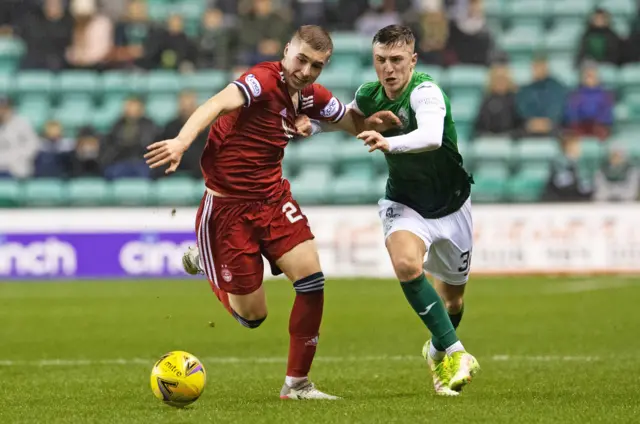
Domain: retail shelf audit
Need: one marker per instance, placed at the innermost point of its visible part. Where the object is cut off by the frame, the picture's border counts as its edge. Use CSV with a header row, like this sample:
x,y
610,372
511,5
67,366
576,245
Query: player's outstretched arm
x,y
171,151
352,123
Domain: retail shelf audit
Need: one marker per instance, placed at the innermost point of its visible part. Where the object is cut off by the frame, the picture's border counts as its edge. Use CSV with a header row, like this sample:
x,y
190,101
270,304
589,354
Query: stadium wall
x,y
125,243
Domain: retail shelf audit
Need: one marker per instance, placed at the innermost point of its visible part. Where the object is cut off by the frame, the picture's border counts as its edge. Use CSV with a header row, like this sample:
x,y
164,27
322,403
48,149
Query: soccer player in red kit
x,y
247,210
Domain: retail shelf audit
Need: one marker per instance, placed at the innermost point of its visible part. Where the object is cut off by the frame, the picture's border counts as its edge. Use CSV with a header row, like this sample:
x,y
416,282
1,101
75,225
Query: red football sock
x,y
304,324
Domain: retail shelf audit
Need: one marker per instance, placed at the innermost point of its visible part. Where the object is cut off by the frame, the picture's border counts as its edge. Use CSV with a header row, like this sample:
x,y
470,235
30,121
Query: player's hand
x,y
303,125
374,140
382,121
166,152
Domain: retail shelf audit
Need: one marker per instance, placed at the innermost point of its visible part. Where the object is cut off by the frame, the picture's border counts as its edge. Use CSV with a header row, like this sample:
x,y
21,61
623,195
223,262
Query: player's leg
x,y
231,260
453,297
289,246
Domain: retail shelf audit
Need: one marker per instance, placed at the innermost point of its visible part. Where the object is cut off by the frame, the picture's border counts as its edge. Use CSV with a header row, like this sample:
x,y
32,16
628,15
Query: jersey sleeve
x,y
257,84
354,103
325,106
427,99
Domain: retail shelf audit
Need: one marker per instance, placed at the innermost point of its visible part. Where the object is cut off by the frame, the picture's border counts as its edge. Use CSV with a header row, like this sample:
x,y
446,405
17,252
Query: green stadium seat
x,y
74,113
89,192
160,11
592,153
35,108
122,83
352,152
354,186
132,192
6,84
490,183
339,78
619,8
162,82
492,149
348,43
467,77
162,108
527,11
104,116
311,186
465,104
77,82
564,36
575,9
176,191
10,192
208,82
630,75
44,192
522,39
609,75
494,9
528,184
630,142
319,149
34,82
564,70
11,51
434,72
536,150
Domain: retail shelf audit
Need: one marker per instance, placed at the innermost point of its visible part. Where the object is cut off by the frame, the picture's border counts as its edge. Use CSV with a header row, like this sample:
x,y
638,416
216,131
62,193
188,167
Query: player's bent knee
x,y
406,268
251,321
453,305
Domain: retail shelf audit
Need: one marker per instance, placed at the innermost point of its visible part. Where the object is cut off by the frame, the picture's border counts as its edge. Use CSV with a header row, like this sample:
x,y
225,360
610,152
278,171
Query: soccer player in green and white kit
x,y
426,210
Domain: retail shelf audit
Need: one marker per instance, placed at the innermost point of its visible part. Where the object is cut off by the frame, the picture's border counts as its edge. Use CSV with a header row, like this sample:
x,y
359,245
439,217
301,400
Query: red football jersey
x,y
243,155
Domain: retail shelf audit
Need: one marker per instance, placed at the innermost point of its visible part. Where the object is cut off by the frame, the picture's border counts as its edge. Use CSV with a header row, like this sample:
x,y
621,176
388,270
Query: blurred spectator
x,y
85,161
309,12
380,14
47,32
54,158
632,45
617,179
92,36
190,164
228,7
590,107
131,33
262,34
214,41
170,48
600,42
541,103
126,143
10,12
114,9
470,41
498,112
18,143
432,32
565,183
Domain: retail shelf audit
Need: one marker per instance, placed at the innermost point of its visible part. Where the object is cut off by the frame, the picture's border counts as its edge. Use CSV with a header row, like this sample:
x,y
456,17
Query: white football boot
x,y
304,390
191,261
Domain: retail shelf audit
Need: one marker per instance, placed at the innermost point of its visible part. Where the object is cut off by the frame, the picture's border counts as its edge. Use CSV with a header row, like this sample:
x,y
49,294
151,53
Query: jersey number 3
x,y
290,212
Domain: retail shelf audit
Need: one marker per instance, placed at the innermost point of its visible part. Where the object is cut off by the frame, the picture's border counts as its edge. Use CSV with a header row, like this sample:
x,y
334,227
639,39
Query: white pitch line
x,y
278,360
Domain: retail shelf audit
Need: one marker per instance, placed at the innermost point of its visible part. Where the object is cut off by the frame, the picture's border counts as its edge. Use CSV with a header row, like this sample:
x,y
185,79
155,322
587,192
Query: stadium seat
x,y
536,150
10,193
77,82
434,72
564,36
311,186
35,109
74,113
122,83
492,149
89,192
620,8
132,192
176,191
161,108
208,82
44,192
467,77
490,183
632,102
320,149
522,40
351,152
343,77
6,84
527,11
104,116
528,184
630,75
494,9
348,43
563,69
354,186
630,143
162,82
577,10
38,82
11,51
465,104
609,75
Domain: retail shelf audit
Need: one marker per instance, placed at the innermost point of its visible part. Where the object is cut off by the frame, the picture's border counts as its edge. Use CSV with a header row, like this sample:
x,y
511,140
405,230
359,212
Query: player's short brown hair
x,y
316,37
395,35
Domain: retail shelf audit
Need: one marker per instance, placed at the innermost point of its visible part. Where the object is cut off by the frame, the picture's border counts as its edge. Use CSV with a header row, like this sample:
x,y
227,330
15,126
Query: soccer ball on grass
x,y
178,378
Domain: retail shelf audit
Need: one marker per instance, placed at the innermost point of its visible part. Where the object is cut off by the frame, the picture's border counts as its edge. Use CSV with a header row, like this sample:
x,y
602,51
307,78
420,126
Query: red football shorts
x,y
233,236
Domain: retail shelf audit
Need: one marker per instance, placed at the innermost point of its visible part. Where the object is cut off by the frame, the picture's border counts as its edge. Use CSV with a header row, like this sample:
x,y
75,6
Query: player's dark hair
x,y
316,37
394,35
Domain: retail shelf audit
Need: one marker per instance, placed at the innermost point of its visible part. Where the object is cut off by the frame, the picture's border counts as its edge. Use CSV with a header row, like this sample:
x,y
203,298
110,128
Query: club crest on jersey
x,y
331,108
253,84
226,274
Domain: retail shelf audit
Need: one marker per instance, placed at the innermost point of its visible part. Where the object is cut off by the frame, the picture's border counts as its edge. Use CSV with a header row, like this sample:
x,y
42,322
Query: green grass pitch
x,y
552,350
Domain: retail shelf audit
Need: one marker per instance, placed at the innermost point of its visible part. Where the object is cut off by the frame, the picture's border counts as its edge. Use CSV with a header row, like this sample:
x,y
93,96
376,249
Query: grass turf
x,y
552,351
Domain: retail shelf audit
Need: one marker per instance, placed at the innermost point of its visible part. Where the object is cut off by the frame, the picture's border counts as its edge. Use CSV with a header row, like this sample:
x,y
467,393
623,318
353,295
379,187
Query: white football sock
x,y
456,347
294,381
435,354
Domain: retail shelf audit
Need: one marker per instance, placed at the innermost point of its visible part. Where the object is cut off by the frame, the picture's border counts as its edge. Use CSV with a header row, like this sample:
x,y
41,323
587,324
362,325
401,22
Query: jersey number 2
x,y
290,212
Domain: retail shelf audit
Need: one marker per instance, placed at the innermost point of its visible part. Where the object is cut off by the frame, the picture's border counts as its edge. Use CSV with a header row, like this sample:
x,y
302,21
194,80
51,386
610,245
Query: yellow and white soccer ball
x,y
178,378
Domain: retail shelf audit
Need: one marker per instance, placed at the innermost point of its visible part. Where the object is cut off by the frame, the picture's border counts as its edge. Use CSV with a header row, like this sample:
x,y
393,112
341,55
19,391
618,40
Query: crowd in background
x,y
232,35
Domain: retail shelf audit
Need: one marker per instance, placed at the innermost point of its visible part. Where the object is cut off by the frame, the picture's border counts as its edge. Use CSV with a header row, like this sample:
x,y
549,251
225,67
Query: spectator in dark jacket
x,y
565,183
590,107
600,42
498,113
54,158
541,103
86,157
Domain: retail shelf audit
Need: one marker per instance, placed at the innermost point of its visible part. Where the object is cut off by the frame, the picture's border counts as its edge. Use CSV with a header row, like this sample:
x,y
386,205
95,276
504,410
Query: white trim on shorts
x,y
204,240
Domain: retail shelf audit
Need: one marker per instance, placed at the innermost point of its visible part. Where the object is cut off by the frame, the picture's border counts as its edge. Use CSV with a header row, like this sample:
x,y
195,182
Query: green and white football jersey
x,y
433,183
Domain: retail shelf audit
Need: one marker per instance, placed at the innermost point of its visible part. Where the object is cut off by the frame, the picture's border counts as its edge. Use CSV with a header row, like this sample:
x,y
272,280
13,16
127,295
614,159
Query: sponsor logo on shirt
x,y
331,108
253,84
